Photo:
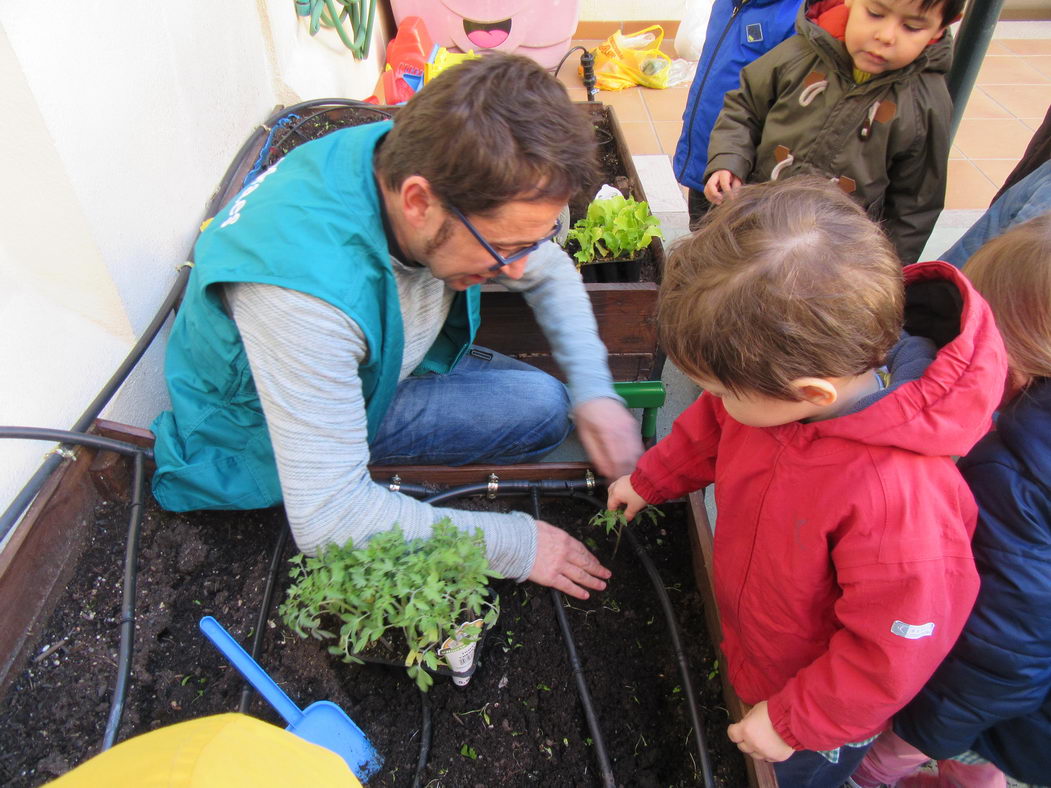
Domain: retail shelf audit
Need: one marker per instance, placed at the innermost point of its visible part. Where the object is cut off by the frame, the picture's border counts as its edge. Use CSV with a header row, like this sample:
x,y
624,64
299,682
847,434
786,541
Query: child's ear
x,y
816,391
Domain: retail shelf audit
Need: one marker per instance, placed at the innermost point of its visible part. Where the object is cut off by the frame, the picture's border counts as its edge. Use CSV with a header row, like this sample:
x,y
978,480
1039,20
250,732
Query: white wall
x,y
118,122
629,10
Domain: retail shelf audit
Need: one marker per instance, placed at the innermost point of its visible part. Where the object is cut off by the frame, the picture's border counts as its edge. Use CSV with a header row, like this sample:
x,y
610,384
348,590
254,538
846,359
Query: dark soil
x,y
519,720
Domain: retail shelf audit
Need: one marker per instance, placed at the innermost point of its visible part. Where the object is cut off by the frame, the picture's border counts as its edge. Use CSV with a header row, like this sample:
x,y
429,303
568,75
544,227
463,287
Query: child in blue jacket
x,y
739,31
988,706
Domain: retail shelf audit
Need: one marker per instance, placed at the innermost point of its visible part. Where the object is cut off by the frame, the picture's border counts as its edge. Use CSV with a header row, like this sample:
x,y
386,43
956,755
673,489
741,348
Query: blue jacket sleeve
x,y
1000,668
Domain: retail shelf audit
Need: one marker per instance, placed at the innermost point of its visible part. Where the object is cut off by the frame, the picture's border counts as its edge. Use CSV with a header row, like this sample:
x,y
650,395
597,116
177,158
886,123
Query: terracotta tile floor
x,y
1009,100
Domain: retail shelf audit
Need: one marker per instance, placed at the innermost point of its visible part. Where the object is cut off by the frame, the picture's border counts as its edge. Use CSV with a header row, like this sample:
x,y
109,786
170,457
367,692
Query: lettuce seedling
x,y
424,587
614,227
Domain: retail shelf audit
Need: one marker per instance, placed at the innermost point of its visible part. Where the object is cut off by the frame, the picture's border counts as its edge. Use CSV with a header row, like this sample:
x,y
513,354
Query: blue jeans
x,y
809,769
1027,199
489,408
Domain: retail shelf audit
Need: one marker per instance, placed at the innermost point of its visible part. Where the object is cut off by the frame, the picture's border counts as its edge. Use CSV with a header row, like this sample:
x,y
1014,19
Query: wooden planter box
x,y
38,559
626,313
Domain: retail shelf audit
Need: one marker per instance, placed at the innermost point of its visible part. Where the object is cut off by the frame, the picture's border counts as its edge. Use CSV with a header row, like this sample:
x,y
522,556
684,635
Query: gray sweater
x,y
304,355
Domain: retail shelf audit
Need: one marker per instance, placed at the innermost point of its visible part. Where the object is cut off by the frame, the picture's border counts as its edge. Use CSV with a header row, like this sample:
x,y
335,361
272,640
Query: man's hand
x,y
722,184
755,735
610,435
622,493
564,563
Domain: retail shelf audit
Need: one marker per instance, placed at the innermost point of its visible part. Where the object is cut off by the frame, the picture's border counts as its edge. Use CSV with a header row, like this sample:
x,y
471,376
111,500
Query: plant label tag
x,y
458,650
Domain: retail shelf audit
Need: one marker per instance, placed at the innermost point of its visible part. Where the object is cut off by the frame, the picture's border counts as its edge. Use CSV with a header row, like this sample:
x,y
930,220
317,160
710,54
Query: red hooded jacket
x,y
843,567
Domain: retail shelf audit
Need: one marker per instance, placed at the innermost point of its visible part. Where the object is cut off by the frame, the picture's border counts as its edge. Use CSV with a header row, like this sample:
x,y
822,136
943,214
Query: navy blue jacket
x,y
739,31
992,694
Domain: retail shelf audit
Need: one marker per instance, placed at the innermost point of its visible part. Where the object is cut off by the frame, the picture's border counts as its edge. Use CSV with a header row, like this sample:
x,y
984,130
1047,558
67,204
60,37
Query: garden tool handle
x,y
251,670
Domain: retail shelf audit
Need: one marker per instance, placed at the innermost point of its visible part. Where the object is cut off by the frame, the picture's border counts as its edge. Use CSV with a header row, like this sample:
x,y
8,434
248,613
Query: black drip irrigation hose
x,y
587,64
264,612
673,632
598,742
71,437
533,488
127,613
139,456
425,739
572,488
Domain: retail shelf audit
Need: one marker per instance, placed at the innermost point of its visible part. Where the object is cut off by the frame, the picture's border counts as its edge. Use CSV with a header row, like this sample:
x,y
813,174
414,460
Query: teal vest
x,y
311,223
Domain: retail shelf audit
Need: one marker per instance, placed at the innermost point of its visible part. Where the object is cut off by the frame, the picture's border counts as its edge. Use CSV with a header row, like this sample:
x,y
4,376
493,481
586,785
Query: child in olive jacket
x,y
858,96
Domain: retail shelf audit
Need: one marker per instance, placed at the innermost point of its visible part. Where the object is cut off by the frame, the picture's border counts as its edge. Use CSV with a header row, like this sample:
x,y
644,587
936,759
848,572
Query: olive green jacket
x,y
885,141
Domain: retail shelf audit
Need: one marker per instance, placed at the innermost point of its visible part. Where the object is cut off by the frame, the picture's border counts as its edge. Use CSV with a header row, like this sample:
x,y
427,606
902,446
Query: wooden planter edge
x,y
760,773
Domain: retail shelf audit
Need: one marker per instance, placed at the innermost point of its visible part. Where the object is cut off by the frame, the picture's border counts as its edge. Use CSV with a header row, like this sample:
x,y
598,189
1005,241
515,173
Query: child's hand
x,y
755,735
723,183
622,493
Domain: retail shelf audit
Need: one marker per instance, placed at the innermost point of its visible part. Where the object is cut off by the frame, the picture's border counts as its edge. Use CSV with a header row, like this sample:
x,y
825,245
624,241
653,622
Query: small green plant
x,y
467,751
613,521
614,227
424,588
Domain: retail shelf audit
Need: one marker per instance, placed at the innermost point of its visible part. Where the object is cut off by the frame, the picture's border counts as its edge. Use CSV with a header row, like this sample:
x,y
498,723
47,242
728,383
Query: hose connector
x,y
587,64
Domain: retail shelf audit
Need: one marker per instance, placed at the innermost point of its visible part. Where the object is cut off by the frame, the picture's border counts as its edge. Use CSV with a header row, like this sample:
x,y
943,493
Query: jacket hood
x,y
936,57
948,408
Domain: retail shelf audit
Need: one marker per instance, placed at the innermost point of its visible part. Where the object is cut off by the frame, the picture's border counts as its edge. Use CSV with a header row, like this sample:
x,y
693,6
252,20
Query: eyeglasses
x,y
501,261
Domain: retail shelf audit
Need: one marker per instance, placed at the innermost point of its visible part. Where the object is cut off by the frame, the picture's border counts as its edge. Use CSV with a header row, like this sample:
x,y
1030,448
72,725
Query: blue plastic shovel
x,y
322,722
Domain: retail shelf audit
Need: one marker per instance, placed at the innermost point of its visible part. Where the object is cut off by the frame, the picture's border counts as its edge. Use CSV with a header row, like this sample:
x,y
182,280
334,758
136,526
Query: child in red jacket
x,y
843,567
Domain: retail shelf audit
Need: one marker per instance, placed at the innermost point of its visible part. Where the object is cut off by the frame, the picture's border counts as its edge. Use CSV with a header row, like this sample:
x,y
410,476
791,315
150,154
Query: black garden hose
x,y
673,632
131,552
425,739
578,672
264,611
505,487
70,436
127,611
587,63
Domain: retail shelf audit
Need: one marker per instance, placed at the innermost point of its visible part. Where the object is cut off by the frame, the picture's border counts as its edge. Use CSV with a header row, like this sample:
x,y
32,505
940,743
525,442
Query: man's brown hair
x,y
789,279
489,131
1013,273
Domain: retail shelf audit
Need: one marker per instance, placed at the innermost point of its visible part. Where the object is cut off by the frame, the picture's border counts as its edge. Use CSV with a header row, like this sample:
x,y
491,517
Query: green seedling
x,y
613,521
714,671
467,751
423,588
482,712
614,227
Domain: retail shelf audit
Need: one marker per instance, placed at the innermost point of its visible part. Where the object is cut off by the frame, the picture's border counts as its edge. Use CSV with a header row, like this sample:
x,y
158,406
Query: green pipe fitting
x,y
649,395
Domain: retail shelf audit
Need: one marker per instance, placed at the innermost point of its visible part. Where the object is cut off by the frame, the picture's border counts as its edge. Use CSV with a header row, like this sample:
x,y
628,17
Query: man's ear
x,y
816,391
417,201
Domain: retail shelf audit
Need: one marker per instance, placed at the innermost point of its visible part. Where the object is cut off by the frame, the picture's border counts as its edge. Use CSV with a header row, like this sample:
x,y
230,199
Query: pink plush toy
x,y
540,29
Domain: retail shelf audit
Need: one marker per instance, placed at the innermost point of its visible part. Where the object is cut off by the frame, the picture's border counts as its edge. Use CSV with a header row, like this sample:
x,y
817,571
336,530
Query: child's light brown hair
x,y
1013,273
789,279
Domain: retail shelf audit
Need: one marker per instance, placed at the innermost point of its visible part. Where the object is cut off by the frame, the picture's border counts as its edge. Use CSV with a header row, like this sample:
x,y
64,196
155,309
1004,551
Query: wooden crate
x,y
626,313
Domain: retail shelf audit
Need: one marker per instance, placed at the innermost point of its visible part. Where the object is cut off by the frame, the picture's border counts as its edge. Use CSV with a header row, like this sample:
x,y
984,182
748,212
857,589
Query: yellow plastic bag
x,y
627,59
